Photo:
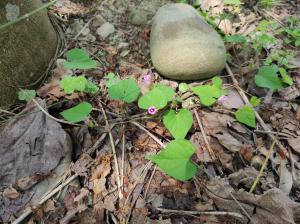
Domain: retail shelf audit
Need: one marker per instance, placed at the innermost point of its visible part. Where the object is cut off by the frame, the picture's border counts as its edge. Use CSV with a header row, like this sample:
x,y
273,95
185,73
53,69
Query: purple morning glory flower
x,y
222,99
147,78
152,110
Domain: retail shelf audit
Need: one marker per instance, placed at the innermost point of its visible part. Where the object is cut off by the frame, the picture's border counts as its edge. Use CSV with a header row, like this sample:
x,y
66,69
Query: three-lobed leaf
x,y
77,83
111,79
77,113
79,59
126,90
209,94
254,101
246,115
179,123
175,159
157,97
26,94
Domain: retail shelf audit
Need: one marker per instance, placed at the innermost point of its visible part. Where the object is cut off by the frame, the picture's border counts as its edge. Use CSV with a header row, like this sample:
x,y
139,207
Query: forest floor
x,y
115,183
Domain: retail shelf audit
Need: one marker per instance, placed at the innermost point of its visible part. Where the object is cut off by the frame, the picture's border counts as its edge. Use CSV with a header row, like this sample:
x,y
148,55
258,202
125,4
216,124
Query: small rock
x,y
105,30
98,21
123,46
124,53
183,46
138,17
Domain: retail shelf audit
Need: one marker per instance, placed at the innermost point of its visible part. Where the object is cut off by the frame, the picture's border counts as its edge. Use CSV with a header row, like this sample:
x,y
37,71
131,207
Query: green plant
x,y
293,36
175,159
209,94
246,114
268,77
70,84
79,59
268,3
157,97
26,94
126,90
77,113
178,123
232,2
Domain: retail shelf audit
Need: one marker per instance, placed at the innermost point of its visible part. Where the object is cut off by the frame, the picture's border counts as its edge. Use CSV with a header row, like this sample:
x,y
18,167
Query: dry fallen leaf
x,y
10,193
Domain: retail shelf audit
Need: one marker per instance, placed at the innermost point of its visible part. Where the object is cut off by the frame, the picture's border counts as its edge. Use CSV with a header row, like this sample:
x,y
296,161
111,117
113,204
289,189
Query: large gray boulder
x,y
183,46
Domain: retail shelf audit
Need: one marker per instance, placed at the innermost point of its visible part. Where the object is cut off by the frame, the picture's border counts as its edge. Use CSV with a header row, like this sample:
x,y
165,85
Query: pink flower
x,y
222,99
147,78
152,110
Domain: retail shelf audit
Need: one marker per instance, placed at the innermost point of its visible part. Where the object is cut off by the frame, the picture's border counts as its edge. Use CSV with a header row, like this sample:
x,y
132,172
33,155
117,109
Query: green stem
x,y
263,167
27,15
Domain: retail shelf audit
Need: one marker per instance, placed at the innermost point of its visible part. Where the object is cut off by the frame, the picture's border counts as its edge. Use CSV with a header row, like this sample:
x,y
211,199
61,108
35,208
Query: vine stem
x,y
27,15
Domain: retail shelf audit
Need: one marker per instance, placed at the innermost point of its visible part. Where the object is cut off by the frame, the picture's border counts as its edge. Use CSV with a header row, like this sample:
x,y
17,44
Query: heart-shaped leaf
x,y
208,94
79,59
175,161
126,90
246,115
77,113
158,97
267,77
178,123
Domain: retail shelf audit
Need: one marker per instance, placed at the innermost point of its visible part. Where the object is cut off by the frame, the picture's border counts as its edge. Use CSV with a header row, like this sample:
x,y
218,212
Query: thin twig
x,y
211,152
54,118
149,133
7,112
149,182
44,199
123,156
263,166
183,212
113,149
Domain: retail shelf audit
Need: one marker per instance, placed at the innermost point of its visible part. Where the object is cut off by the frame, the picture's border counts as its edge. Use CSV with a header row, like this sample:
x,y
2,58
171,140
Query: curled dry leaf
x,y
286,179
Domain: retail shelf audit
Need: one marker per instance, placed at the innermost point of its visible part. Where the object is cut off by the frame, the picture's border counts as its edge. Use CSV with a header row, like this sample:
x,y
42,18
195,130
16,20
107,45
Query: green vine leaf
x,y
178,123
232,2
246,115
209,94
26,94
183,87
111,79
255,101
285,77
70,84
126,90
79,59
77,113
267,77
175,161
157,97
91,88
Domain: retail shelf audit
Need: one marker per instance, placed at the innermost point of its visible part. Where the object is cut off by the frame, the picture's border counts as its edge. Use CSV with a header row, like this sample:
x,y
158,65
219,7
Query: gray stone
x,y
183,46
98,21
105,30
138,17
